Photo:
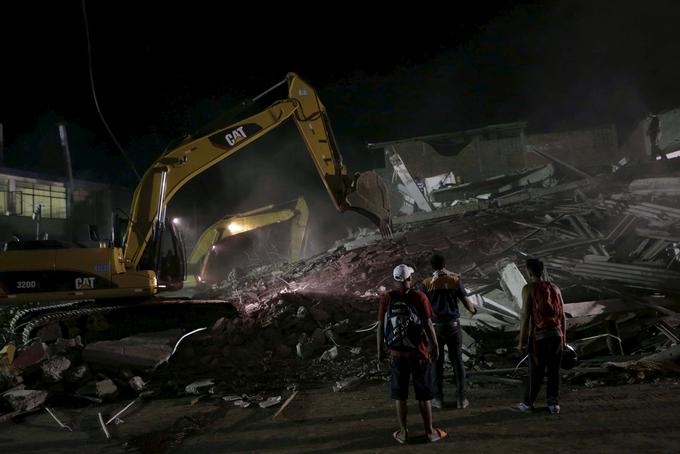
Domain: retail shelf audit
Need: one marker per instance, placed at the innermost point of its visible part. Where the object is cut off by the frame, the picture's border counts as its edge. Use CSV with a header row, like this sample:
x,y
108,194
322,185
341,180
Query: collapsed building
x,y
608,231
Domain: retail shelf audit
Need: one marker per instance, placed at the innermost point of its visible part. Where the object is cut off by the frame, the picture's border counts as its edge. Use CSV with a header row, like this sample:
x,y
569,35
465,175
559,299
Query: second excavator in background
x,y
212,256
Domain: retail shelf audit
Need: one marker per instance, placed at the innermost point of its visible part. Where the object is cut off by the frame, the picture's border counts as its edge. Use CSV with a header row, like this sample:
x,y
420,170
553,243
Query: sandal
x,y
437,435
400,436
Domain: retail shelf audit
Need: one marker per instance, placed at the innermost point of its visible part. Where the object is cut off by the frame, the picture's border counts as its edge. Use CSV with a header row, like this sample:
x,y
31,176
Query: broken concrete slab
x,y
106,389
142,351
270,402
461,207
658,186
512,282
25,399
639,276
665,361
498,301
201,386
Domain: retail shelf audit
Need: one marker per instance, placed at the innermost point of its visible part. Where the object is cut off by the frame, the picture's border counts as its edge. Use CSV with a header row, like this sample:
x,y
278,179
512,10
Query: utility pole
x,y
69,189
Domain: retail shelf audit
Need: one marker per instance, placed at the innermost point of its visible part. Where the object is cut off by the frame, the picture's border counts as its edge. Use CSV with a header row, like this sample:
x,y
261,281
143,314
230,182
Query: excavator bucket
x,y
368,195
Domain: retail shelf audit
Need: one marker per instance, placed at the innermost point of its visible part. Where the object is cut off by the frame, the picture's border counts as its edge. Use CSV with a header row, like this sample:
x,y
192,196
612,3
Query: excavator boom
x,y
364,193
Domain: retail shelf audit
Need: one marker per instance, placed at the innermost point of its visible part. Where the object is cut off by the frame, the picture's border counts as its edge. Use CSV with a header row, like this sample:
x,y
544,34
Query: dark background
x,y
162,70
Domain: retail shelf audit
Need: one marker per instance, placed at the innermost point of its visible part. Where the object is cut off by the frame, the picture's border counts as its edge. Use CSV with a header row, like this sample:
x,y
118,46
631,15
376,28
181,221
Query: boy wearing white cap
x,y
404,323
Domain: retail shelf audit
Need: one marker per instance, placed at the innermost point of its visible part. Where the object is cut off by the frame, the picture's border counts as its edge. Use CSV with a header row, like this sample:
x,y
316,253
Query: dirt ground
x,y
630,418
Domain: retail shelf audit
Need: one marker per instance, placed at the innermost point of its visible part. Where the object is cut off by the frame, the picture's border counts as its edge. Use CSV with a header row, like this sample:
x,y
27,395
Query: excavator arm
x,y
295,211
364,193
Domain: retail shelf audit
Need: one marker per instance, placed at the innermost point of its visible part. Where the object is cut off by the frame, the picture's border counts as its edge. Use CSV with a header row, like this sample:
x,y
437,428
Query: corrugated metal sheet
x,y
640,276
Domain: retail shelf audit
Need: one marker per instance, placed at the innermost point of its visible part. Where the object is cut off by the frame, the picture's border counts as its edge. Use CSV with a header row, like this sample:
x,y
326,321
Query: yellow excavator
x,y
149,257
208,250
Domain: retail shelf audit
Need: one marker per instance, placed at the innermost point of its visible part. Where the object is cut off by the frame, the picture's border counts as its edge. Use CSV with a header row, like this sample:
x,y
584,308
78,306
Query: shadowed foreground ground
x,y
631,418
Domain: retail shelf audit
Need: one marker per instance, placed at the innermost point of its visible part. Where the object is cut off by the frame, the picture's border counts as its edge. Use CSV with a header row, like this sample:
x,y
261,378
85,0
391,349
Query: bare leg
x,y
402,412
426,413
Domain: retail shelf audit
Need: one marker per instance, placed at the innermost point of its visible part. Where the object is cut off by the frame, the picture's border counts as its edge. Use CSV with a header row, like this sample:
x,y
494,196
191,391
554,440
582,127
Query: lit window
x,y
52,199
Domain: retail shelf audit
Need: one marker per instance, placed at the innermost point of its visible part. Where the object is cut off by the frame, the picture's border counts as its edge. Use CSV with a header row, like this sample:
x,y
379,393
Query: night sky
x,y
163,70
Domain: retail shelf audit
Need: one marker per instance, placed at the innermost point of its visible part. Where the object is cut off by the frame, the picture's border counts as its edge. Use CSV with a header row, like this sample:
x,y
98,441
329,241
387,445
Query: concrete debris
x,y
512,282
346,384
495,186
54,368
583,229
200,387
137,384
413,195
142,351
106,389
329,354
664,361
611,246
656,186
270,402
23,400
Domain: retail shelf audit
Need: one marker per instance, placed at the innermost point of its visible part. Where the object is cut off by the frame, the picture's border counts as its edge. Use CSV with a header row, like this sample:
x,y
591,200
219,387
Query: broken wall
x,y
477,156
582,148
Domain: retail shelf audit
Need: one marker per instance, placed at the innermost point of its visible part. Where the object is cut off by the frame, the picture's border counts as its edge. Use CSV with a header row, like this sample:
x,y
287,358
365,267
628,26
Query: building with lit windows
x,y
24,194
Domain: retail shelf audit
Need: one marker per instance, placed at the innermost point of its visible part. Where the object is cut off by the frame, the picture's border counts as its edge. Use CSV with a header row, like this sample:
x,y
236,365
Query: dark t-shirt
x,y
418,301
444,290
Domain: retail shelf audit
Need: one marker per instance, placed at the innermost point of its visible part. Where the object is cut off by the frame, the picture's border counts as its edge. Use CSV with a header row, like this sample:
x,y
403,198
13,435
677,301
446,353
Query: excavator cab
x,y
166,256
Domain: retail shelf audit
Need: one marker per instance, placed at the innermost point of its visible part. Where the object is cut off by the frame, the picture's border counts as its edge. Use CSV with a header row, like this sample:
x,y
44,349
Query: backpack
x,y
403,327
546,305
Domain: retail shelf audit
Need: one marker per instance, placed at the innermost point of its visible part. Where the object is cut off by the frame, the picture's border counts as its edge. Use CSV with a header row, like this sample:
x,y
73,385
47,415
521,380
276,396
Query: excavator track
x,y
94,320
33,311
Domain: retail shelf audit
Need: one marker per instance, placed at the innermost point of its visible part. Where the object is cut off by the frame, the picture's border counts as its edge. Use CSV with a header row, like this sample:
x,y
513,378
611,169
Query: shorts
x,y
403,368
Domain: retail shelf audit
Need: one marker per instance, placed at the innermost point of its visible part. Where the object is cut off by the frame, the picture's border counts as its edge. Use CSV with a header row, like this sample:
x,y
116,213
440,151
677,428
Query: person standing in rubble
x,y
404,324
543,333
445,289
654,136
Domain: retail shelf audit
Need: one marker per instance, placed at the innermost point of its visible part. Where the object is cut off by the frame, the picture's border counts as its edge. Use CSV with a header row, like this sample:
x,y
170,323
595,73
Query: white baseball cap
x,y
402,272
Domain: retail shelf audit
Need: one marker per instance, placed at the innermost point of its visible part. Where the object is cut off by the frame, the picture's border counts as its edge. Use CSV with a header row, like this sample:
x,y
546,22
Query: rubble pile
x,y
611,242
295,340
611,245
